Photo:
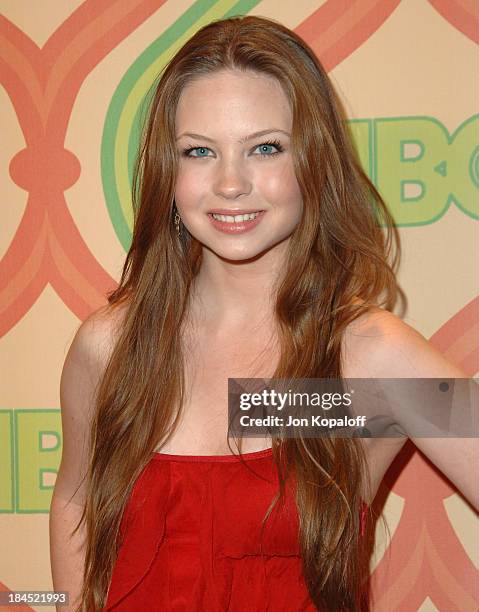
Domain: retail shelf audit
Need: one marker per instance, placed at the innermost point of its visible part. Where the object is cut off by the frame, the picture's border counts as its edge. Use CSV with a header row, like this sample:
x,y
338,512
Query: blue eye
x,y
186,152
274,143
264,146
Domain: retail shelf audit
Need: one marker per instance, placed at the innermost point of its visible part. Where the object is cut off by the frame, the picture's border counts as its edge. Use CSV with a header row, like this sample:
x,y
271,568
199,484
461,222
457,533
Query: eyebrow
x,y
241,140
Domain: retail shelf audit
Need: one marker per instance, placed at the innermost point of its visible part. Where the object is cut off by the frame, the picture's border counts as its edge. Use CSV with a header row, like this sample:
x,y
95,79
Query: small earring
x,y
177,222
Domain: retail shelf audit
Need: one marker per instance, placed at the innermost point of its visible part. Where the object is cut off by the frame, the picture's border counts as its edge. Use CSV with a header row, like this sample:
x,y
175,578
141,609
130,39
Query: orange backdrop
x,y
73,77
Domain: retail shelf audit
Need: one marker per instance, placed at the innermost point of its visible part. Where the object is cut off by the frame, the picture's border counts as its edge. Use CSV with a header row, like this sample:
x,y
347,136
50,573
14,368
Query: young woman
x,y
256,252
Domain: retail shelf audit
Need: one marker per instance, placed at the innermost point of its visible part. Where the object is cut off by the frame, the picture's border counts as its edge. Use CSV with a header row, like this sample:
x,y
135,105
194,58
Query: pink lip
x,y
237,211
235,228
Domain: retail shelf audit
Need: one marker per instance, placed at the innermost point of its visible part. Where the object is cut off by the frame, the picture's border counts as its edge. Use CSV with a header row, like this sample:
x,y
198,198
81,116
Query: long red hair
x,y
341,250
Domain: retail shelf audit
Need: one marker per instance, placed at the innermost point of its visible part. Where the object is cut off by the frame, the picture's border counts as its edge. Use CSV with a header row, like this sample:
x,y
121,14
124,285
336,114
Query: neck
x,y
230,295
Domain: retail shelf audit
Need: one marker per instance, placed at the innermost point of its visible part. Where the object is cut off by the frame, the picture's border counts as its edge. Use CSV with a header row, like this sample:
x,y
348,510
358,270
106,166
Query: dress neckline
x,y
222,458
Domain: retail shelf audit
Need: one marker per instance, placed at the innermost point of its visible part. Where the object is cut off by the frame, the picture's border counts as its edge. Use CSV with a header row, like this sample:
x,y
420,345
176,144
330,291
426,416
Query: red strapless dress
x,y
192,542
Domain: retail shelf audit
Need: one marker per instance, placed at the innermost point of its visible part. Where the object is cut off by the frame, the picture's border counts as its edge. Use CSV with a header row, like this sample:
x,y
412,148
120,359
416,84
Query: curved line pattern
x,y
47,247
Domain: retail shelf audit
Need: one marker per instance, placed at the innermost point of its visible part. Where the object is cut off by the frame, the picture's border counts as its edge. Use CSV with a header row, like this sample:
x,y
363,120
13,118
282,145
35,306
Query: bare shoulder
x,y
379,344
95,337
382,345
81,374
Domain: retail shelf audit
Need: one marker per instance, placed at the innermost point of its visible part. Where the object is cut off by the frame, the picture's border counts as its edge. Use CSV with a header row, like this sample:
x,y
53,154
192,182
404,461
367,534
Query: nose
x,y
231,179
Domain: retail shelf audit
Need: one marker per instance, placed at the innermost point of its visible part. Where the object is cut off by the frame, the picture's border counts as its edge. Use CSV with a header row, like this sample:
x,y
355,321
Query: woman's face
x,y
219,170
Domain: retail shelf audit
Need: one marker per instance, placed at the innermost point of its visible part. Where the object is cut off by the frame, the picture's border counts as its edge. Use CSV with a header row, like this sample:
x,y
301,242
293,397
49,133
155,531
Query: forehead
x,y
233,100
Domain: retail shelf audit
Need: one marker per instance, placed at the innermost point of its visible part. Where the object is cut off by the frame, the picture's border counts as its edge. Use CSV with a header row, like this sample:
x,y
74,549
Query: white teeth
x,y
236,218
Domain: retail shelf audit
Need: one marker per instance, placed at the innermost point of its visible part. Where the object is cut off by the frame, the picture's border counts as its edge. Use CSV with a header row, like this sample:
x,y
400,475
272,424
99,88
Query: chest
x,y
203,425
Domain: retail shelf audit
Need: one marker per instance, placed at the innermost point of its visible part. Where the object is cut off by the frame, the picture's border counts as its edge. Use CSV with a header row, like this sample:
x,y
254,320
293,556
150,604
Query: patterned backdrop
x,y
73,77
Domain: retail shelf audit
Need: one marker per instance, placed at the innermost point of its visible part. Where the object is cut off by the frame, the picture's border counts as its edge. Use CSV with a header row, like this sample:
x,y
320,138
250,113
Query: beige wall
x,y
416,62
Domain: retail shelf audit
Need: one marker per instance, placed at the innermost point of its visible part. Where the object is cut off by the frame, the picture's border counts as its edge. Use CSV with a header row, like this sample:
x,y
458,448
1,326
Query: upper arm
x,y
399,351
81,374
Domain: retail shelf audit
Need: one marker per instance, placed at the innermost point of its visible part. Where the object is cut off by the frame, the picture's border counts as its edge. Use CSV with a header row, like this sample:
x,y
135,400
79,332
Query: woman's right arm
x,y
81,373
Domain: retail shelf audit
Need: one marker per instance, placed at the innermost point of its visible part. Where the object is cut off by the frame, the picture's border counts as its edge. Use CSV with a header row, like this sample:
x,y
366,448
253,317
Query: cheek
x,y
280,187
182,192
188,189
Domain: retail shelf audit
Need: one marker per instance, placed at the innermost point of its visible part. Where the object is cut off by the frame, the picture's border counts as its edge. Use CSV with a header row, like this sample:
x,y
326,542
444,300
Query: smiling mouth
x,y
236,218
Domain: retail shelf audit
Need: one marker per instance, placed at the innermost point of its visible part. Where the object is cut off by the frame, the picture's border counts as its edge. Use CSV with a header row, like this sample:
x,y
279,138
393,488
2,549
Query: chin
x,y
245,255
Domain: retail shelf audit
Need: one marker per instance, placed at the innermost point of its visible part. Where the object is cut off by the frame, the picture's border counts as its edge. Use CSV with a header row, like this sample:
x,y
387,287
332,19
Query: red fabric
x,y
192,542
